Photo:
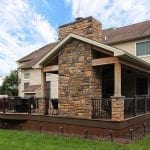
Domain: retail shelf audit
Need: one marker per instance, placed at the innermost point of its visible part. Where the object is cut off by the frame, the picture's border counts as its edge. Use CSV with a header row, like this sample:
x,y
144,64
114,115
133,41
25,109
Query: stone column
x,y
117,108
42,101
117,103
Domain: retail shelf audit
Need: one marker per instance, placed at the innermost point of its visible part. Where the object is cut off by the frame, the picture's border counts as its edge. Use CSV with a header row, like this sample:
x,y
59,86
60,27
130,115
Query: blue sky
x,y
26,25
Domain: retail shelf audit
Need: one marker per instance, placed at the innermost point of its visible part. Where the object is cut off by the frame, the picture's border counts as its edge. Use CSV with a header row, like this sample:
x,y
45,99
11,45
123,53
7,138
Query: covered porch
x,y
125,89
96,81
125,93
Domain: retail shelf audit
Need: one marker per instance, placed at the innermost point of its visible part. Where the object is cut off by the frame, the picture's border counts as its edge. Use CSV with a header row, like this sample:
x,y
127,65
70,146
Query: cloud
x,y
22,30
112,13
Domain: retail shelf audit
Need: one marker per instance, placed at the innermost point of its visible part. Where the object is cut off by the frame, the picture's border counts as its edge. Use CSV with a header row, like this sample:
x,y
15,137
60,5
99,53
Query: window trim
x,y
24,76
26,83
141,56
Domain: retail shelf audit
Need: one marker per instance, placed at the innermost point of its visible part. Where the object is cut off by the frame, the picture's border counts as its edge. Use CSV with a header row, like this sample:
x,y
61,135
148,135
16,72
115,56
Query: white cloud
x,y
22,30
112,13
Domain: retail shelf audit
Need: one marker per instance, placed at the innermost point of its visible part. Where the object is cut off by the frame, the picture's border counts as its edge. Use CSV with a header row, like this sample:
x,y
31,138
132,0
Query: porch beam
x,y
104,61
117,79
134,66
50,68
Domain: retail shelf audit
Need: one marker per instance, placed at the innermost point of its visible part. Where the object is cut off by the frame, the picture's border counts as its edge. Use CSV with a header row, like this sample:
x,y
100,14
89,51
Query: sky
x,y
26,25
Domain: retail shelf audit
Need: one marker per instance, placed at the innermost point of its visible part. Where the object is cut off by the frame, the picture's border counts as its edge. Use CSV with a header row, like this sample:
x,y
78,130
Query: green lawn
x,y
15,140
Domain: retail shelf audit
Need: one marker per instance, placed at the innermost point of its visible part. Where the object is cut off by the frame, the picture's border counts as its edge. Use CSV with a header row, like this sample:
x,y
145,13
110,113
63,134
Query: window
x,y
26,85
26,75
143,48
141,86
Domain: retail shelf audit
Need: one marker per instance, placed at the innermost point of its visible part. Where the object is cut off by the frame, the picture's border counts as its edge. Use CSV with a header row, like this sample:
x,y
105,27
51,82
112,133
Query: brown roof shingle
x,y
109,36
30,59
126,33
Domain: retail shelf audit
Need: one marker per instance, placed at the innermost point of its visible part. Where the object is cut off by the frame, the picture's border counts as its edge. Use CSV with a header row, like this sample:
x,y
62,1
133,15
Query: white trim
x,y
29,92
117,52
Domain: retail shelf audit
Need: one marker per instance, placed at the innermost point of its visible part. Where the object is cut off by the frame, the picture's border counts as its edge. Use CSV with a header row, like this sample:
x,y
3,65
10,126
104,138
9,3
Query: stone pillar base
x,y
117,108
42,107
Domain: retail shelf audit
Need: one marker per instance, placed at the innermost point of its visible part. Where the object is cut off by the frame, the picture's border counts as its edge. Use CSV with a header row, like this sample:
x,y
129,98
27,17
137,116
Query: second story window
x,y
26,76
143,48
26,85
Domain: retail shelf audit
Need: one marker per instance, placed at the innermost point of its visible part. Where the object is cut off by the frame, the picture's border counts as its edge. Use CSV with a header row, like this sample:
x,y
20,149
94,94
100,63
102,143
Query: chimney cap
x,y
78,18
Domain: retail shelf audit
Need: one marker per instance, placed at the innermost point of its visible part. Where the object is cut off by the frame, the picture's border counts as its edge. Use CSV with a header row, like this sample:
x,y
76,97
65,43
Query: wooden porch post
x,y
117,82
117,104
43,83
42,102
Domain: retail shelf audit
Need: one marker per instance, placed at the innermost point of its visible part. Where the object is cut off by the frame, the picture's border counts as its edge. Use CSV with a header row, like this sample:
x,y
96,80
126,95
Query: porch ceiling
x,y
135,62
123,59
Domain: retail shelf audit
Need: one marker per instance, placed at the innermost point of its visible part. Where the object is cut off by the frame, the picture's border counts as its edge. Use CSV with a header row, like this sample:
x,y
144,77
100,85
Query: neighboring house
x,y
30,79
89,63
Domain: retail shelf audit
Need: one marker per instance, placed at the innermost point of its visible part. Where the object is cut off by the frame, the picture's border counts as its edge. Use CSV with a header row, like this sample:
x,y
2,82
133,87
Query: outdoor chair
x,y
55,106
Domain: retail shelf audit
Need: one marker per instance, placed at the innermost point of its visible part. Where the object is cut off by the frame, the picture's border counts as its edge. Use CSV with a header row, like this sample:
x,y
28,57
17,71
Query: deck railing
x,y
136,106
101,108
27,105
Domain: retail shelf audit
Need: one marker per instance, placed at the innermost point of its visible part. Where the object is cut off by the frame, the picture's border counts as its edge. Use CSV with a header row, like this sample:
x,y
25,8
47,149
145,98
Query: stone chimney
x,y
85,27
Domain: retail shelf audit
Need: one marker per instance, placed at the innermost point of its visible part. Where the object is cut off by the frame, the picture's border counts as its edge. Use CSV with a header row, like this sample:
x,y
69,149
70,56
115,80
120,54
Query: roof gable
x,y
30,59
115,51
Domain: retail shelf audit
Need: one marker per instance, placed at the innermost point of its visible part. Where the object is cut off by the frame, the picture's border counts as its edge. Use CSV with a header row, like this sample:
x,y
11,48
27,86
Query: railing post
x,y
135,105
47,106
145,104
117,108
4,105
29,106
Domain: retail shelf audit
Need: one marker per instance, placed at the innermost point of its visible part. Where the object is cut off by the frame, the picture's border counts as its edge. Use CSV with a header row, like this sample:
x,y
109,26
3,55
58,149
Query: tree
x,y
10,84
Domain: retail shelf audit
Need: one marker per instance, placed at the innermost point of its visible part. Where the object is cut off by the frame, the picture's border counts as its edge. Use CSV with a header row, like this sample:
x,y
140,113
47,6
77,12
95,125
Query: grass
x,y
17,140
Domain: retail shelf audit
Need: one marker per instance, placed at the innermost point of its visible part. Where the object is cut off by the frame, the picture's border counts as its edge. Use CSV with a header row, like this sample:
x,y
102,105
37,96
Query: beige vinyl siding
x,y
35,78
130,47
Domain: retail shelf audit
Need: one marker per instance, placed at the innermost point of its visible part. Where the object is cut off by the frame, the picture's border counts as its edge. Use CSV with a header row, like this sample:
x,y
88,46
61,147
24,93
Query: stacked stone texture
x,y
117,105
42,106
78,82
88,27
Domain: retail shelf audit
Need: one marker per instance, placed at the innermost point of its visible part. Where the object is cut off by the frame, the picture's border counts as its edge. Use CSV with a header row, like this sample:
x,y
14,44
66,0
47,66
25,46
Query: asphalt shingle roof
x,y
126,33
109,36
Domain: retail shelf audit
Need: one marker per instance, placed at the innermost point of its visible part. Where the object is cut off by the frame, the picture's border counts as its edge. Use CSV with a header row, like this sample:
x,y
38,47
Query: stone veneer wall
x,y
78,82
117,108
86,27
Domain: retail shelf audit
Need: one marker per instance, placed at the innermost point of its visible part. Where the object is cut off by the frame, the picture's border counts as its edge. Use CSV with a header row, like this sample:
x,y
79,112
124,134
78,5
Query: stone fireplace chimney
x,y
85,27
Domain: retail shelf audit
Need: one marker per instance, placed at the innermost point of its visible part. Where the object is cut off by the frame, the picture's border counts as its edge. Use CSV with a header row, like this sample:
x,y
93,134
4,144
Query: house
x,y
30,78
89,68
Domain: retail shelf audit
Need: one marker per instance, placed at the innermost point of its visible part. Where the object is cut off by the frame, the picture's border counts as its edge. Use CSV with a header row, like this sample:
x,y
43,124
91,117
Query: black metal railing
x,y
28,105
101,108
136,105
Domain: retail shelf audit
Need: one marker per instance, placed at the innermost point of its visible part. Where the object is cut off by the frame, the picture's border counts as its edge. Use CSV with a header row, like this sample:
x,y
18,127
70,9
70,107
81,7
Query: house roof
x,y
109,36
31,88
116,52
30,59
126,33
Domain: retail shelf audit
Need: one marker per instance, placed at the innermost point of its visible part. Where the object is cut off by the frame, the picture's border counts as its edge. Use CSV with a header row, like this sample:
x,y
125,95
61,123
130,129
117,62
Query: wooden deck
x,y
96,123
